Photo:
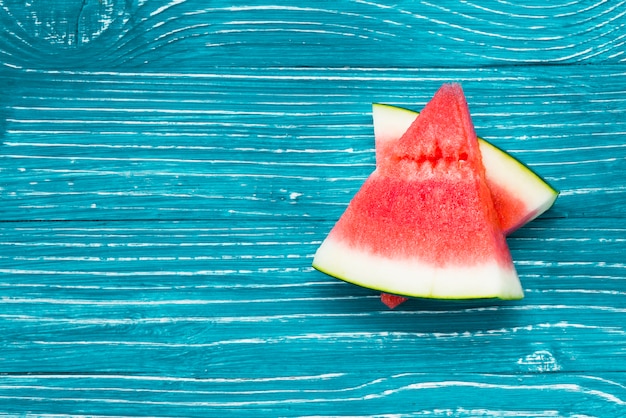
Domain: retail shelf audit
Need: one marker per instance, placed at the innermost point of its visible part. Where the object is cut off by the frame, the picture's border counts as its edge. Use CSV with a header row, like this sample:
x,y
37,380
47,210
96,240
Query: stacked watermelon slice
x,y
431,220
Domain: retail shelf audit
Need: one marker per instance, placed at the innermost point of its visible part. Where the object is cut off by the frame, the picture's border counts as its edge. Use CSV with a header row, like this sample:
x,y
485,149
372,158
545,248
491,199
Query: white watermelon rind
x,y
407,277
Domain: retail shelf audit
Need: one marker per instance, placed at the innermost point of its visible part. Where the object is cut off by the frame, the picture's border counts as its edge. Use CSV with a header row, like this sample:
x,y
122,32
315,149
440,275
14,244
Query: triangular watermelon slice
x,y
423,223
519,195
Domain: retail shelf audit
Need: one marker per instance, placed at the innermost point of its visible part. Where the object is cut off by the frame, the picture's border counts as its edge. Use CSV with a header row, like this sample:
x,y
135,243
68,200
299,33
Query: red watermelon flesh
x,y
519,195
392,301
423,224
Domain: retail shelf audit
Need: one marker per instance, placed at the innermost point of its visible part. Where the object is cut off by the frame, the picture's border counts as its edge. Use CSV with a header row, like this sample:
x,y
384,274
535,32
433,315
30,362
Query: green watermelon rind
x,y
424,296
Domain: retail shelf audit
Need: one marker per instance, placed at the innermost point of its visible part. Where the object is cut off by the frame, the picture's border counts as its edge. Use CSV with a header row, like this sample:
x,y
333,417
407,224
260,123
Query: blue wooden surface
x,y
168,169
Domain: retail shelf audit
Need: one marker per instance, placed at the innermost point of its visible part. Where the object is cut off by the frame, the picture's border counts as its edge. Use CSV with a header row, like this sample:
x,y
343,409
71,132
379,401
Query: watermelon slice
x,y
424,223
392,301
519,195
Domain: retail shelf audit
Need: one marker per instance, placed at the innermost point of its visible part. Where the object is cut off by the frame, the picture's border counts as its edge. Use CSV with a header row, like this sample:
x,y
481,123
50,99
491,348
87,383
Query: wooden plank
x,y
369,394
233,144
179,297
161,34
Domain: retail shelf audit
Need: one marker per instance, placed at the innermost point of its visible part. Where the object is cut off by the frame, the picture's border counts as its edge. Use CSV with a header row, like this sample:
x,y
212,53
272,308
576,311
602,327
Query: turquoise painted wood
x,y
168,169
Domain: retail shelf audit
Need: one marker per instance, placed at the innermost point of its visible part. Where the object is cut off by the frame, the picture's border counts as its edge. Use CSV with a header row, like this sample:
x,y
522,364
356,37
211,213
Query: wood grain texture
x,y
139,33
295,144
168,169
